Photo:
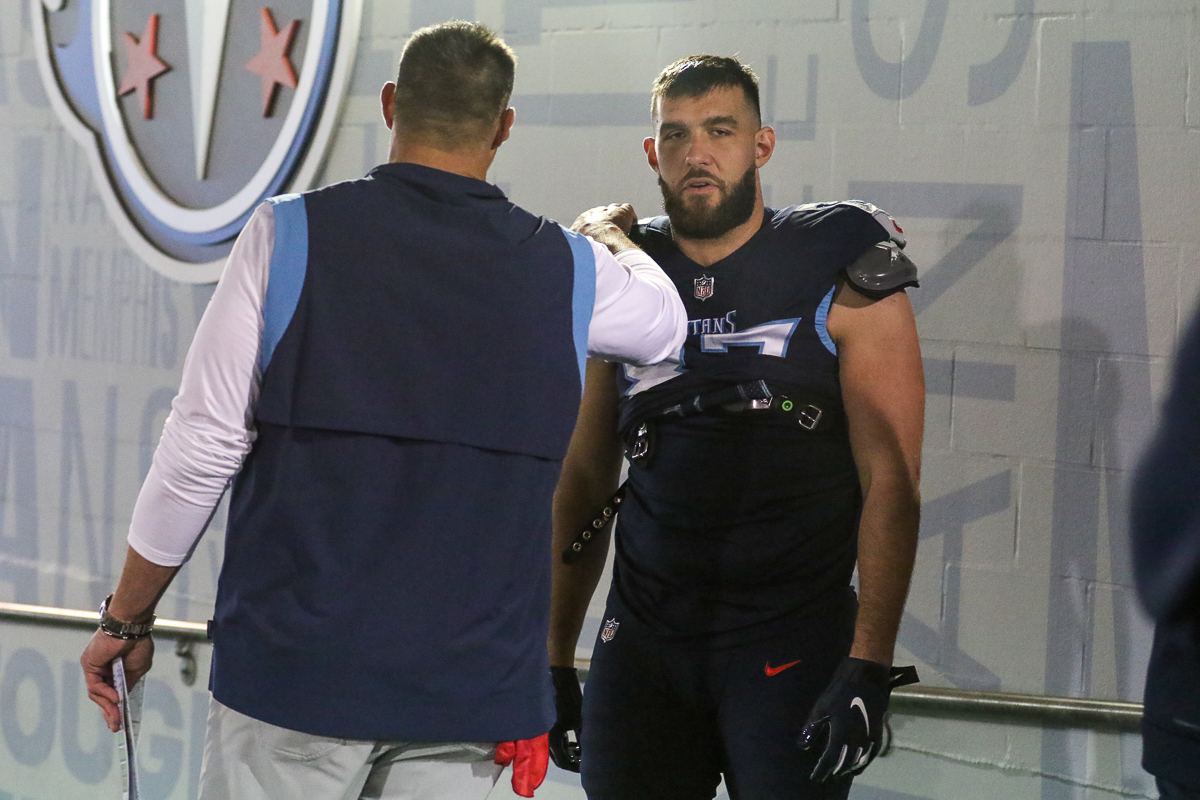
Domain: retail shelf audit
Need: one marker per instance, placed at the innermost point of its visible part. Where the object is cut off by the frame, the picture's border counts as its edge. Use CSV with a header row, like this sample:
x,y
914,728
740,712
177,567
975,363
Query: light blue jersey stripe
x,y
289,263
819,321
583,296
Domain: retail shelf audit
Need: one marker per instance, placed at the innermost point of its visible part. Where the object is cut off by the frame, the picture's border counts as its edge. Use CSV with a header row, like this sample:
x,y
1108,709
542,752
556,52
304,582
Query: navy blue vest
x,y
387,563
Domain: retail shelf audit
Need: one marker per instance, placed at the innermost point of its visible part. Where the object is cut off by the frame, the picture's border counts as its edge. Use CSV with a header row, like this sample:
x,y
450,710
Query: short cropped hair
x,y
696,76
455,81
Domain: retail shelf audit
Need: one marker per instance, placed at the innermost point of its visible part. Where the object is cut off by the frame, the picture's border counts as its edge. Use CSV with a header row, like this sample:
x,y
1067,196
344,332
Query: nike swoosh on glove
x,y
568,705
530,758
847,720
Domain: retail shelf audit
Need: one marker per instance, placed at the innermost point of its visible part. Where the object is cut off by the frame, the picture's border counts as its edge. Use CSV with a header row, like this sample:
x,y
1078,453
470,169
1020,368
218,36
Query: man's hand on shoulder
x,y
609,225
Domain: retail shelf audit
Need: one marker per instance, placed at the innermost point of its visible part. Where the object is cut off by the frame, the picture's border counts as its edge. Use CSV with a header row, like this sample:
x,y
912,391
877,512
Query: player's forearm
x,y
576,502
887,547
588,479
574,586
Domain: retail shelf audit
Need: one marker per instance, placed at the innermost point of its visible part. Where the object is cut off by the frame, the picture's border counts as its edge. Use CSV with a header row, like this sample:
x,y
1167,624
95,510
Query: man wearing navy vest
x,y
392,368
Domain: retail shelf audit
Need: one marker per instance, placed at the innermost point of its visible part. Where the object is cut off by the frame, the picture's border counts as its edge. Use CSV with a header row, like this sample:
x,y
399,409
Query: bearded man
x,y
778,450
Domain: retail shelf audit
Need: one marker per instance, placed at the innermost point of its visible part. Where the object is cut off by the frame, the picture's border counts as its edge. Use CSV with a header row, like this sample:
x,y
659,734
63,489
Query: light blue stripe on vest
x,y
821,318
583,296
289,263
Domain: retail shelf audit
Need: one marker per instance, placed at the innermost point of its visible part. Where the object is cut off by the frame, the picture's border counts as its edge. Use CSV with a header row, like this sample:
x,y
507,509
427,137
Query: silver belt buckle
x,y
808,417
641,444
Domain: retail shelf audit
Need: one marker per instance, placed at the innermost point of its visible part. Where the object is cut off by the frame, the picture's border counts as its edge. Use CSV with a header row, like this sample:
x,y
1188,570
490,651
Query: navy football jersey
x,y
738,520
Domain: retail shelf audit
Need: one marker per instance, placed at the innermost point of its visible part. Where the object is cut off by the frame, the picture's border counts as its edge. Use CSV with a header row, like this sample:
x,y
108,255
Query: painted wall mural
x,y
162,96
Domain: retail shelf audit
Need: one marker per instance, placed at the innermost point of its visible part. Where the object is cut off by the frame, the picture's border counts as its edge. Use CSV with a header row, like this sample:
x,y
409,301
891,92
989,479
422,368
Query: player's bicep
x,y
883,383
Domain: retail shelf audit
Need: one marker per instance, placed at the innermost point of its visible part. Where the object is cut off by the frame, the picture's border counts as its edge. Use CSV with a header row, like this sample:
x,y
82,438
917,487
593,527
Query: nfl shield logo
x,y
704,287
610,630
195,111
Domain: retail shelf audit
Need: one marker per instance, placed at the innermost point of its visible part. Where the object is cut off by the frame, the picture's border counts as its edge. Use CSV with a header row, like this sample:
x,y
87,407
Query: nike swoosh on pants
x,y
776,670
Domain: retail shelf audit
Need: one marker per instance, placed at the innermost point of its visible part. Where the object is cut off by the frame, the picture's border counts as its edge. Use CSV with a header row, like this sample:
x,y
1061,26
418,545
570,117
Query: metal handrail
x,y
1029,709
75,618
925,701
1020,709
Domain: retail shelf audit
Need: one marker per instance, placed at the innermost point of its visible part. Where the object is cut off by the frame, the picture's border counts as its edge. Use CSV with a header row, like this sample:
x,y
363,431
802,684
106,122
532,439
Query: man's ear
x,y
387,99
764,145
504,129
651,152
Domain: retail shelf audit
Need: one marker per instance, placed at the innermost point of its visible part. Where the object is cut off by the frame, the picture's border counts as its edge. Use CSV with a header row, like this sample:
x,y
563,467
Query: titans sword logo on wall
x,y
194,111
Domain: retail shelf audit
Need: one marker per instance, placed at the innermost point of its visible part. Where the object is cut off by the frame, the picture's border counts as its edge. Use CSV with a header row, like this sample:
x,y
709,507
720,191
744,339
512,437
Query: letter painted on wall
x,y
193,113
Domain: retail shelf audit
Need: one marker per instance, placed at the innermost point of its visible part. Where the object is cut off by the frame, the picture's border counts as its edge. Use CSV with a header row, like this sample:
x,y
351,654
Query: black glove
x,y
847,720
568,704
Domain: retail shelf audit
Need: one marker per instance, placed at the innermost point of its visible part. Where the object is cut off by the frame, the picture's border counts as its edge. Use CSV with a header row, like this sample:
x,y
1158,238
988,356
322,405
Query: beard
x,y
697,219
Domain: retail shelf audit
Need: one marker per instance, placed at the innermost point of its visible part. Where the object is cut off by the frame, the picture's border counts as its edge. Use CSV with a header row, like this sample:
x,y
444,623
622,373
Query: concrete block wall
x,y
1041,156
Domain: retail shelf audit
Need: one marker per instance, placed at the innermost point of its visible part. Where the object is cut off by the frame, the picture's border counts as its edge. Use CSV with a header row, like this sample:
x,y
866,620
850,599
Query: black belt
x,y
601,521
754,396
810,411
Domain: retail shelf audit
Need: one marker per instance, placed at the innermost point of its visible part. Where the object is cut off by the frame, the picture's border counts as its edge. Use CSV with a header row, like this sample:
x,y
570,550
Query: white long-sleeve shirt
x,y
637,318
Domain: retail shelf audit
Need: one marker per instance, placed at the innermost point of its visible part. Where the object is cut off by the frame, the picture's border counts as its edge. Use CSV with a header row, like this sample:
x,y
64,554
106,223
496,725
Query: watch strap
x,y
119,629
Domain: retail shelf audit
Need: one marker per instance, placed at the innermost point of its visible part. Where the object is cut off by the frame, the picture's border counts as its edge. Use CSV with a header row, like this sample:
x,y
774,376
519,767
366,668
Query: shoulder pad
x,y
883,269
797,210
647,227
884,219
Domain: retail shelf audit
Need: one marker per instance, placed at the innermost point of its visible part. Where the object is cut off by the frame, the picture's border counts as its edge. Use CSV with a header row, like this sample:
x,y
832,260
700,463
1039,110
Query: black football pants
x,y
664,721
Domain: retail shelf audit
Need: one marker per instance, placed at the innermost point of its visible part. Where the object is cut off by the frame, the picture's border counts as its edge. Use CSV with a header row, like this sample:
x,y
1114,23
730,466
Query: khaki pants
x,y
245,759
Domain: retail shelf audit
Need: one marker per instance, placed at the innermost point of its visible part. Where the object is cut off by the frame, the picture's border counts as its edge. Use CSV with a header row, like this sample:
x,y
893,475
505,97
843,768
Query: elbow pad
x,y
882,270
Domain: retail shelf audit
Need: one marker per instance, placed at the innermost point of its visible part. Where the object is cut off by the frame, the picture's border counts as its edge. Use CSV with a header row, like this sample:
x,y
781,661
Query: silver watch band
x,y
119,629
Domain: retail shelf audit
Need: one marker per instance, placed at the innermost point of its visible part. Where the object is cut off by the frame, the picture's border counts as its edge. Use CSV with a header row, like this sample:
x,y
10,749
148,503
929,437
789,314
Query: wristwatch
x,y
118,629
